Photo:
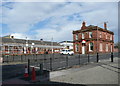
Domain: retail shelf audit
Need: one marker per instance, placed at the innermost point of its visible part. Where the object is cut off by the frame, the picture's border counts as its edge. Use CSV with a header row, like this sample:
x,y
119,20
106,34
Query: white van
x,y
66,51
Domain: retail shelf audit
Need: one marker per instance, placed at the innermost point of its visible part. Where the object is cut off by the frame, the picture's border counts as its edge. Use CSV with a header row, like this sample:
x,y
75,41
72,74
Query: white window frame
x,y
83,36
76,47
100,35
76,36
111,37
106,36
90,35
111,48
106,47
101,47
90,46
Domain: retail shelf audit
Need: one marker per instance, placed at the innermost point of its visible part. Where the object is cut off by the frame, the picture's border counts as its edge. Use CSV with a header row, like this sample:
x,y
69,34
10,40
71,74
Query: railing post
x,y
13,58
28,66
25,57
7,59
41,68
111,56
51,63
36,56
66,61
21,58
79,59
44,58
88,58
97,57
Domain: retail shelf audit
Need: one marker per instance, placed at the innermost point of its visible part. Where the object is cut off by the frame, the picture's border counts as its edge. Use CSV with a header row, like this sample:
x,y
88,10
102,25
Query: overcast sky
x,y
44,20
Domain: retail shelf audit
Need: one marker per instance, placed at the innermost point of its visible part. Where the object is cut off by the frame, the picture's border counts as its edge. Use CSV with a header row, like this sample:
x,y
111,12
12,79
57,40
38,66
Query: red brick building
x,y
93,39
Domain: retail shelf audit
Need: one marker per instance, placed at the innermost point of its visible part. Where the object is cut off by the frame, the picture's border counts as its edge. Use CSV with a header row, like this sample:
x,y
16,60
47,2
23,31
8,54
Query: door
x,y
83,49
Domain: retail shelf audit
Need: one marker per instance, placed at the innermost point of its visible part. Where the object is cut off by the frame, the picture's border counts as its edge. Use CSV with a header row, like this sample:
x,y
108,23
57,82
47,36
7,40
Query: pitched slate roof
x,y
66,41
23,41
92,27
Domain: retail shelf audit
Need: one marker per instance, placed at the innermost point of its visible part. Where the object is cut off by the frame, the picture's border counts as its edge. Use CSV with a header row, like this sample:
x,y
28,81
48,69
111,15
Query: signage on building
x,y
83,41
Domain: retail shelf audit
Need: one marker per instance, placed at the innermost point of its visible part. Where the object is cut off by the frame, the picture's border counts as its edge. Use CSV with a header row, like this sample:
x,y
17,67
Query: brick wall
x,y
98,36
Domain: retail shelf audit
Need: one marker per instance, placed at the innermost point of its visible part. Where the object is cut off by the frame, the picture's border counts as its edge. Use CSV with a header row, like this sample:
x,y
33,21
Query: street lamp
x,y
52,44
26,45
33,45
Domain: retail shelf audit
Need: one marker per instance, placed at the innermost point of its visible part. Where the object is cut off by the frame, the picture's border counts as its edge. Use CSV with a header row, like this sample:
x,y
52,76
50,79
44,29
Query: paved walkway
x,y
104,72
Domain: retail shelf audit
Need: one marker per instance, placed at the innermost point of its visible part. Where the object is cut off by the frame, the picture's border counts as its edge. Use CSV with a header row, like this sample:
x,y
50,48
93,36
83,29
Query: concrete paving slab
x,y
100,74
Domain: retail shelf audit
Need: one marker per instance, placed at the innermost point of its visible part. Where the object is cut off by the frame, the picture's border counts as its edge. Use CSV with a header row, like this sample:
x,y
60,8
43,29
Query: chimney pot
x,y
105,25
83,24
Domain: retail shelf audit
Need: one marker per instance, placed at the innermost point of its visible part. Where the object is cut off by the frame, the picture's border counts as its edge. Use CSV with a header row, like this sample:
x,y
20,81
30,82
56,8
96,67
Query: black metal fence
x,y
56,61
24,58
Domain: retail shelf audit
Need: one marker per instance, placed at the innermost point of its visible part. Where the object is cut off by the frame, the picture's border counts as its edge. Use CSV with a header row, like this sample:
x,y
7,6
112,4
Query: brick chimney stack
x,y
83,25
105,25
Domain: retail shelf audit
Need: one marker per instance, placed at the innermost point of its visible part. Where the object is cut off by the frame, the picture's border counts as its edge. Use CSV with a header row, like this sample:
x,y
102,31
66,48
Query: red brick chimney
x,y
83,25
105,25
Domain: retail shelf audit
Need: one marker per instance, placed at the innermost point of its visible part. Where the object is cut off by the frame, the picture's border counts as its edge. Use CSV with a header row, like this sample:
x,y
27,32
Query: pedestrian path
x,y
98,73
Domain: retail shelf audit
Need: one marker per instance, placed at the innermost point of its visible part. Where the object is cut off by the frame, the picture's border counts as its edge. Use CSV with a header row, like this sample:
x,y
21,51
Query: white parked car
x,y
67,51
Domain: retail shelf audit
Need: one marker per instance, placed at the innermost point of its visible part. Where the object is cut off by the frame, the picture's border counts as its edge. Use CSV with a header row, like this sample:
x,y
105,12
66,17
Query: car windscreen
x,y
63,50
69,50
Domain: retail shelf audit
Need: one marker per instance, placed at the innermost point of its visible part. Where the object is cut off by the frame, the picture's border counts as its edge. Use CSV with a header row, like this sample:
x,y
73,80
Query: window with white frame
x,y
90,35
100,35
76,47
110,37
82,35
100,46
106,35
111,48
76,36
90,46
106,47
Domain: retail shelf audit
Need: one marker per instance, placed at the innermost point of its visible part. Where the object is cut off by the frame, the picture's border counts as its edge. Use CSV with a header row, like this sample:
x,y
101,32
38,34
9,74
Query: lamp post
x,y
33,46
97,39
26,45
52,44
51,54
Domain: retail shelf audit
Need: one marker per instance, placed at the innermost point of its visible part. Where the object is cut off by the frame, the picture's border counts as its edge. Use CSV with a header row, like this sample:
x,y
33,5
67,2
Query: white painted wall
x,y
65,44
